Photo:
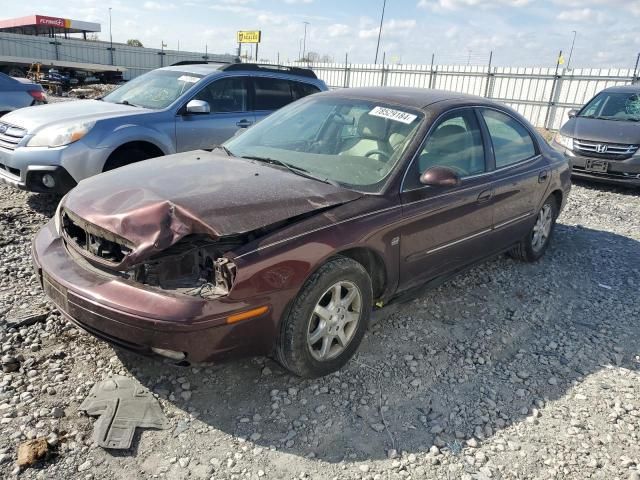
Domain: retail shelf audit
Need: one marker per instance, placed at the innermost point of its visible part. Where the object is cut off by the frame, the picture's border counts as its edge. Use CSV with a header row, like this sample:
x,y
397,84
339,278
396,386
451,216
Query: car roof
x,y
410,97
208,68
199,68
623,89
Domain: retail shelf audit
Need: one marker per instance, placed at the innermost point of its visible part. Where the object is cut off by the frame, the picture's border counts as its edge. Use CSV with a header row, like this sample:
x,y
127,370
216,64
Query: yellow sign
x,y
249,37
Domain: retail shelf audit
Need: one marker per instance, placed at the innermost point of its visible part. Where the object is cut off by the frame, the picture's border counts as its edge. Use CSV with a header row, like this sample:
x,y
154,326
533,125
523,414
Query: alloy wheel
x,y
542,228
334,320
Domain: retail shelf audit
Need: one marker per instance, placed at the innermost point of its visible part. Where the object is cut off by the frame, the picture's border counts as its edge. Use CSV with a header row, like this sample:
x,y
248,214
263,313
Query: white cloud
x,y
583,15
458,4
338,30
293,2
150,5
392,28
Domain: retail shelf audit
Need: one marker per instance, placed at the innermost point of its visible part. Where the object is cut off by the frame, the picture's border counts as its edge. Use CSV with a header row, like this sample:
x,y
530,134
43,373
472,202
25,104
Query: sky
x,y
519,32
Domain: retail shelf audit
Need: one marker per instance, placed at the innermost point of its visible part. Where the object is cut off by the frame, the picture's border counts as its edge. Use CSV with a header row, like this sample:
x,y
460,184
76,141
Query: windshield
x,y
156,90
355,143
613,106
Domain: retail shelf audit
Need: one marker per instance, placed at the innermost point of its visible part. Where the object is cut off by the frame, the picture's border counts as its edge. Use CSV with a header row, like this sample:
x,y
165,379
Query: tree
x,y
134,42
93,37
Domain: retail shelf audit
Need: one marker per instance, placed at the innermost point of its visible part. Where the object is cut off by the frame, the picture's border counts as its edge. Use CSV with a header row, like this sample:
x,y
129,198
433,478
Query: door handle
x,y
485,196
244,123
543,176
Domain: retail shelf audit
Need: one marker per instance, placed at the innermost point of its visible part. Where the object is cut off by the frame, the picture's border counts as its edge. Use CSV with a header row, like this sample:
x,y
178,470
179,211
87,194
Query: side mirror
x,y
198,107
439,176
572,113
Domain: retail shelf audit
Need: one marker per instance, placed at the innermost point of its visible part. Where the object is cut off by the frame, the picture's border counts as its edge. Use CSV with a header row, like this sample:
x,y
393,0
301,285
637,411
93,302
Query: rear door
x,y
446,227
270,94
228,99
521,175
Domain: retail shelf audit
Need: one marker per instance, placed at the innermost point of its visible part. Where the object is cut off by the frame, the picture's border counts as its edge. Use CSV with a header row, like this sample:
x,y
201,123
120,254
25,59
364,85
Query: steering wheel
x,y
384,155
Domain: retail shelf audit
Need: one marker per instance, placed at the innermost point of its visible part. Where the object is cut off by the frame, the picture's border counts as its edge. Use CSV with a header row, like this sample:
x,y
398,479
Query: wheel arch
x,y
373,263
145,145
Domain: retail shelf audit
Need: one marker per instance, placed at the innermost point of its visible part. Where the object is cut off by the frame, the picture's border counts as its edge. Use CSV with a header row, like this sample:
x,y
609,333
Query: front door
x,y
446,227
228,100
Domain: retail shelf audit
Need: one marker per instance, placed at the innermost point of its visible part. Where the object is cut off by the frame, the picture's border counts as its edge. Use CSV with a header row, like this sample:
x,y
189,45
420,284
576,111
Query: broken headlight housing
x,y
193,266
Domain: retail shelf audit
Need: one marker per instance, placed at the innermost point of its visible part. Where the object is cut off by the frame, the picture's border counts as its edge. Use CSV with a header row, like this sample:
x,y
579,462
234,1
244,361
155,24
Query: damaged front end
x,y
196,265
193,266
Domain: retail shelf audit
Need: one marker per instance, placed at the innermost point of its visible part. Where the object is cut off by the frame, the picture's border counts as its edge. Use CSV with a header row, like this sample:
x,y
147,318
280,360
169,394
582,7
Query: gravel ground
x,y
511,370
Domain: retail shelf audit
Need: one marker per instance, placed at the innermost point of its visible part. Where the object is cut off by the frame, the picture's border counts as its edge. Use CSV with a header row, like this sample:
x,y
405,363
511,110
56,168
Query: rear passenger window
x,y
512,142
271,93
301,90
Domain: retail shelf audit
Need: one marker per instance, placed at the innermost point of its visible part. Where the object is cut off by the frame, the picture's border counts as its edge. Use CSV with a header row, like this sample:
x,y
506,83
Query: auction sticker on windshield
x,y
392,114
188,79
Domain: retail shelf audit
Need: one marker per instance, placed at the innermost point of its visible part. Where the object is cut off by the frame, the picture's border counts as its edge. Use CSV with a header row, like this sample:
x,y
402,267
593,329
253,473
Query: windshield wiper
x,y
127,102
224,149
293,169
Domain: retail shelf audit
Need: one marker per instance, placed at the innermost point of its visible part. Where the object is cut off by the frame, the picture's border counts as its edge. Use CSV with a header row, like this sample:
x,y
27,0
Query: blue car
x,y
18,93
184,107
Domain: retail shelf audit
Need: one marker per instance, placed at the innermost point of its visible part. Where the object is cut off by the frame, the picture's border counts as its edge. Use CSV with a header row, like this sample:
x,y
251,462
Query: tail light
x,y
38,96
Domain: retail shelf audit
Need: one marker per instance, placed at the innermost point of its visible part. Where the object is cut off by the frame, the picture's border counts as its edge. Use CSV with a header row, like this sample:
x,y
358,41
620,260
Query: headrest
x,y
373,127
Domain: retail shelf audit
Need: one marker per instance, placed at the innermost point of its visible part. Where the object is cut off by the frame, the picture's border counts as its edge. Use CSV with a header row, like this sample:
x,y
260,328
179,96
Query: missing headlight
x,y
193,267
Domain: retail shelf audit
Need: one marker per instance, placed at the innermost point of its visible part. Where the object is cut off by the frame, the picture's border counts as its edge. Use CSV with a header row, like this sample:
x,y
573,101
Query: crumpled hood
x,y
606,131
33,118
155,203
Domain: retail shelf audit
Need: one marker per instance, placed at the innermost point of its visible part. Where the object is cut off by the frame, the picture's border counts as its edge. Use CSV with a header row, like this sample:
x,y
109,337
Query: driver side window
x,y
456,142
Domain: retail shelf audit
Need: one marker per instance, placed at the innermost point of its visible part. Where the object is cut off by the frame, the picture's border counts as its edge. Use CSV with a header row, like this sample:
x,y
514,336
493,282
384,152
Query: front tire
x,y
327,320
533,246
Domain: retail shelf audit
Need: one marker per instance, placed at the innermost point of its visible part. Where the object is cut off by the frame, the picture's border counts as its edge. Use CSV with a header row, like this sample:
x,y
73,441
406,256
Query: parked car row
x,y
168,110
284,239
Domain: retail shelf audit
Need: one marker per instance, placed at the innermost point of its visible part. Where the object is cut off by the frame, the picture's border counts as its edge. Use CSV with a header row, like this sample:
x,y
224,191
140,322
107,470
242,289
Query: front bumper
x,y
620,172
139,318
23,167
33,178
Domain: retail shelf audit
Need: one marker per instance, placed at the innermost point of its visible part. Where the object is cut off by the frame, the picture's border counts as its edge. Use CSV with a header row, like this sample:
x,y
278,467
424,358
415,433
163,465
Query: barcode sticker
x,y
392,114
188,79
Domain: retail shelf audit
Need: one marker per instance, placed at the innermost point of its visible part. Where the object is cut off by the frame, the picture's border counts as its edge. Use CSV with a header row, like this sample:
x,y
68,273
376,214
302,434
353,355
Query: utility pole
x,y
571,51
304,41
110,38
384,4
635,70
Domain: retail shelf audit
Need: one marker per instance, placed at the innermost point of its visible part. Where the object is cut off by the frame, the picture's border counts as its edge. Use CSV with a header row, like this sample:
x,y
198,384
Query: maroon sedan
x,y
285,239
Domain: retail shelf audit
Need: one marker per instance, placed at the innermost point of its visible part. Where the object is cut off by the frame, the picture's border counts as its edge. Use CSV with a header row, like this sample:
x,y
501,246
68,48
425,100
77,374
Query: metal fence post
x,y
432,73
488,89
635,70
552,96
346,70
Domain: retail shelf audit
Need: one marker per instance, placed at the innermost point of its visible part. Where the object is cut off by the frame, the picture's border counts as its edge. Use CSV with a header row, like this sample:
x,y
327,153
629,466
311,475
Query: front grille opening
x,y
13,171
93,243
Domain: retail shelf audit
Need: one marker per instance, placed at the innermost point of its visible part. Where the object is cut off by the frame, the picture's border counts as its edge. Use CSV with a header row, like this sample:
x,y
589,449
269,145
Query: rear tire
x,y
126,156
327,320
533,246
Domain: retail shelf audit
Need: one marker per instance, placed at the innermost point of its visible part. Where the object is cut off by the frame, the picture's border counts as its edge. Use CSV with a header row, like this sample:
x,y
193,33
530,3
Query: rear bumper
x,y
137,318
